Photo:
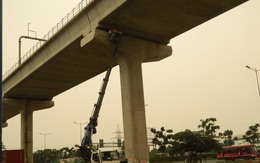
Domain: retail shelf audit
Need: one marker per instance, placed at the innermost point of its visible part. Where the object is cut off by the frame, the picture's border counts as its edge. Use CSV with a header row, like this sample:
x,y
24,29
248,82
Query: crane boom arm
x,y
90,129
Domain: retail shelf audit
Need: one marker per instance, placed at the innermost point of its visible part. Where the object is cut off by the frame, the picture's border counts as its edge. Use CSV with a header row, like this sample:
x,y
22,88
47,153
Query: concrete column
x,y
132,53
135,135
27,132
26,108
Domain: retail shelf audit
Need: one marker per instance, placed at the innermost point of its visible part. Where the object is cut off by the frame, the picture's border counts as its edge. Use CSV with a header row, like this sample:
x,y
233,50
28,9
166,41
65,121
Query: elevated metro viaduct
x,y
79,50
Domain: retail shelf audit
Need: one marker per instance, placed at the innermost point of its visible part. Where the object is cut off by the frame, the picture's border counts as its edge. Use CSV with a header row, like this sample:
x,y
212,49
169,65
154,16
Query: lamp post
x,y
26,37
80,129
255,70
44,134
20,46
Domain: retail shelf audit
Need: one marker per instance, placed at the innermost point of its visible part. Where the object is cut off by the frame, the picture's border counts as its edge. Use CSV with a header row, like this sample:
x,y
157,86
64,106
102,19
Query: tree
x,y
3,147
53,155
252,135
162,138
227,136
66,152
208,127
194,143
46,156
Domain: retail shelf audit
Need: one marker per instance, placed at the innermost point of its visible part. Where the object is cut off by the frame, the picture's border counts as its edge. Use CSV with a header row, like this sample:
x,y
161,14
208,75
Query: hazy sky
x,y
205,77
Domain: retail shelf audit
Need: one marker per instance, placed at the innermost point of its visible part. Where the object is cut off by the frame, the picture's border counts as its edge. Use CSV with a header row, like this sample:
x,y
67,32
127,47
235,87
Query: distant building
x,y
240,140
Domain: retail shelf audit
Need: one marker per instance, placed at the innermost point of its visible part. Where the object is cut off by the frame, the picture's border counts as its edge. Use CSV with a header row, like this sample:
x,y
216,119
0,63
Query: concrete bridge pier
x,y
132,53
27,132
26,108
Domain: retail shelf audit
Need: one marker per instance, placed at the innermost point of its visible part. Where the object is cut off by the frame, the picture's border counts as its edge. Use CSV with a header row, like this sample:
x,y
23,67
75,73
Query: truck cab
x,y
105,157
96,157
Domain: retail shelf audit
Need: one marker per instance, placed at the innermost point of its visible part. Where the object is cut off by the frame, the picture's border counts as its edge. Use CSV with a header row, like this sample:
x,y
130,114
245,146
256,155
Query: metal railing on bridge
x,y
76,10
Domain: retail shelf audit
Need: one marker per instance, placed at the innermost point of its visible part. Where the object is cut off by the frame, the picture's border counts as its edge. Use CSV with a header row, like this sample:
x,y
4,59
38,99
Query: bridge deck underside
x,y
162,20
152,20
72,66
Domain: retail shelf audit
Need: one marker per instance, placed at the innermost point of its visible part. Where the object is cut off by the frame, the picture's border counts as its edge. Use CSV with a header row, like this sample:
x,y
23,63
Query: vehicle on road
x,y
96,157
247,152
105,157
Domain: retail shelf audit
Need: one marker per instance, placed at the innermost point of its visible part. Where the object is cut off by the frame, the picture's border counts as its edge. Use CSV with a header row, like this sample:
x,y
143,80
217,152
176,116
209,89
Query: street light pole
x,y
80,129
44,134
20,45
255,70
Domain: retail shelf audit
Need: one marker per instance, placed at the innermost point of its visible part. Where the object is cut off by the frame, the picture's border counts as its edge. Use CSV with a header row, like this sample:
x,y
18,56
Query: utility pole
x,y
255,70
80,129
44,138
